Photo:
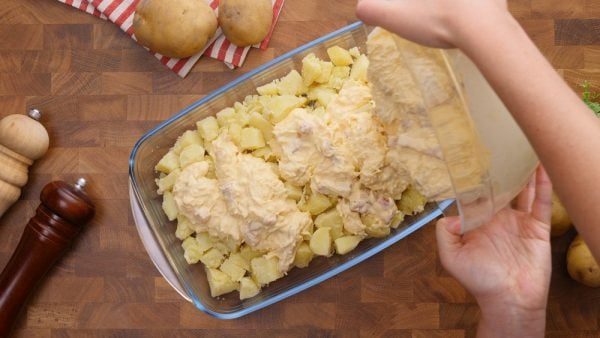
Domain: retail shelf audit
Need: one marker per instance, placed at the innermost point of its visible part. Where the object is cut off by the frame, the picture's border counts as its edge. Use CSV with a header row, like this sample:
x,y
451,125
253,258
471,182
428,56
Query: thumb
x,y
391,15
448,236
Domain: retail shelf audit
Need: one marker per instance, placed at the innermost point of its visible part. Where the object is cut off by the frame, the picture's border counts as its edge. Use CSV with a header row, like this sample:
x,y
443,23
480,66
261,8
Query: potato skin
x,y
581,264
245,22
174,28
560,222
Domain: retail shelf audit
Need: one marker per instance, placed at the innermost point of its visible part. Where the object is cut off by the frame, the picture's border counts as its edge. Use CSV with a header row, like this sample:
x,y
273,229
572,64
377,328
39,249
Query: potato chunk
x,y
208,128
303,256
316,204
166,183
339,56
168,163
191,154
169,206
251,138
248,288
232,269
345,244
184,228
212,258
264,270
320,243
219,282
412,201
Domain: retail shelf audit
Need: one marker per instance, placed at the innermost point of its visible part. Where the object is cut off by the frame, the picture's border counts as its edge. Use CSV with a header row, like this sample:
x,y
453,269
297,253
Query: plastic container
x,y
511,159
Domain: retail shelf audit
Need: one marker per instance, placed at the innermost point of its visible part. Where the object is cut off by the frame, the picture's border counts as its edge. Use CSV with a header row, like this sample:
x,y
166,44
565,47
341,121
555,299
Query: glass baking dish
x,y
190,280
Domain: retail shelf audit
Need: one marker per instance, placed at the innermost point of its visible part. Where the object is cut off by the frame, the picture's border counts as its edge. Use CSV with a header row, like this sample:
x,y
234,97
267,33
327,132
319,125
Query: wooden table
x,y
100,92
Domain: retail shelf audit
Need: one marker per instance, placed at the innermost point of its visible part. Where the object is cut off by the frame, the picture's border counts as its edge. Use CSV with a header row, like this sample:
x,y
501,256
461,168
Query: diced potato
x,y
259,122
211,167
205,242
248,253
248,288
326,69
322,95
316,204
345,244
308,232
253,104
168,163
374,226
412,201
208,128
239,260
188,243
191,154
291,84
303,256
166,183
243,118
212,258
311,69
320,242
191,252
397,219
339,75
359,69
189,137
251,138
294,192
332,220
225,116
355,52
233,270
184,228
240,108
219,282
377,232
169,206
266,153
264,270
221,246
280,106
339,56
235,132
231,244
268,89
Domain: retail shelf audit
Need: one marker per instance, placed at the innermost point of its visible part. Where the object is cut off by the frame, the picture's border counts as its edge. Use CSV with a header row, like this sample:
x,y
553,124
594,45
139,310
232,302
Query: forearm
x,y
562,130
504,321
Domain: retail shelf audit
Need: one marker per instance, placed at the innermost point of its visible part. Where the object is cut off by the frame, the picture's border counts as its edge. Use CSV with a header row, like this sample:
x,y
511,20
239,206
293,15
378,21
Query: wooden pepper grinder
x,y
23,139
63,211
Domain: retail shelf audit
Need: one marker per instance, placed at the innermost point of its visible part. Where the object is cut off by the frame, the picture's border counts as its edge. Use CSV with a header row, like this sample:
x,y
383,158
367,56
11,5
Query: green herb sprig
x,y
592,99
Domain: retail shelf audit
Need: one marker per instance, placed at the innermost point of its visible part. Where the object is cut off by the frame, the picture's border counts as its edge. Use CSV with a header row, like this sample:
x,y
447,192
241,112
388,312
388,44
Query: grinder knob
x,y
22,140
63,211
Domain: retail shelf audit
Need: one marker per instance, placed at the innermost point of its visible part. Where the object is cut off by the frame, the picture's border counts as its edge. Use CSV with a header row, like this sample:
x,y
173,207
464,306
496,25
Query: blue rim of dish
x,y
316,280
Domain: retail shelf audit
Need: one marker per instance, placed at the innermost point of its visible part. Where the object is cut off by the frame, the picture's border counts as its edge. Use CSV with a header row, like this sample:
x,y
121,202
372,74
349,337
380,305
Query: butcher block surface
x,y
99,92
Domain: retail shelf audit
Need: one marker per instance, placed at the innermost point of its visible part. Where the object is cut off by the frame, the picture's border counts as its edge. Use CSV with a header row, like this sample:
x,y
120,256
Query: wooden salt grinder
x,y
22,140
63,211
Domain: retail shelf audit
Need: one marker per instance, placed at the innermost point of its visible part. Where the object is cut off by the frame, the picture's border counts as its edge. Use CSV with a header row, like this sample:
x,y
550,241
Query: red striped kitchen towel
x,y
121,13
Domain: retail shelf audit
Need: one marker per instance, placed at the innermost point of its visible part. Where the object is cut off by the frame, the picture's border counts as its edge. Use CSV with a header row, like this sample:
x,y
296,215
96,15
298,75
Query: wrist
x,y
472,35
503,319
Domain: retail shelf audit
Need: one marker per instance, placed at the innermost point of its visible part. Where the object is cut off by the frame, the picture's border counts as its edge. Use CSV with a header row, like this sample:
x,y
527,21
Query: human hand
x,y
434,23
506,264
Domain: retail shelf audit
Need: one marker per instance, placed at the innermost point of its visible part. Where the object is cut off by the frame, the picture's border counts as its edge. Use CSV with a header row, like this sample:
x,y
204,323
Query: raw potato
x,y
561,222
174,28
581,264
244,22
